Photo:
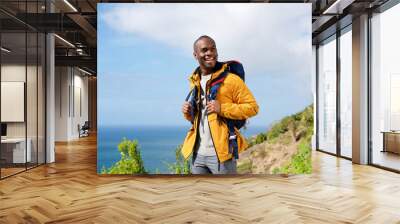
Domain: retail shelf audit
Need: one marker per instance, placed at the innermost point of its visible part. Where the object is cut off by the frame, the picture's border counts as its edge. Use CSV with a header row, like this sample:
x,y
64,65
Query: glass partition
x,y
41,109
31,100
14,154
22,88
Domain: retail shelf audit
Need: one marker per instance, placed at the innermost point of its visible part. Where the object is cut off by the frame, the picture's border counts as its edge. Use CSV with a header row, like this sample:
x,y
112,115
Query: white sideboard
x,y
18,144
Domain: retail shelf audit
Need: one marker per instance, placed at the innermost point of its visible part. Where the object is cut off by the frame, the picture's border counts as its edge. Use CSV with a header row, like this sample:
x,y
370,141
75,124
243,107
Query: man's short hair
x,y
202,37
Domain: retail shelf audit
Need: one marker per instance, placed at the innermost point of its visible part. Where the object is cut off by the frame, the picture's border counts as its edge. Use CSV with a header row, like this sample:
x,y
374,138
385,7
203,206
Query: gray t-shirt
x,y
204,144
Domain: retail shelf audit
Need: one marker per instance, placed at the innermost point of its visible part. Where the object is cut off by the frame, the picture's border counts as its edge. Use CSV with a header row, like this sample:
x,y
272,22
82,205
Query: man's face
x,y
206,53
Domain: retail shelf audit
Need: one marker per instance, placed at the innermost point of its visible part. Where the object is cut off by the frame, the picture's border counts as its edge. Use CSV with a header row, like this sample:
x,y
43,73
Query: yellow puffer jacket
x,y
237,102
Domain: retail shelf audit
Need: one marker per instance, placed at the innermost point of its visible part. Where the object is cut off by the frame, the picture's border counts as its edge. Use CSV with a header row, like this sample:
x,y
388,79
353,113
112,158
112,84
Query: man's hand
x,y
213,107
186,107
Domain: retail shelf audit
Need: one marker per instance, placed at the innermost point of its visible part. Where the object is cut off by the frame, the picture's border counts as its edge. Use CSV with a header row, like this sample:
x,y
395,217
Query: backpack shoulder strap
x,y
214,86
192,99
189,94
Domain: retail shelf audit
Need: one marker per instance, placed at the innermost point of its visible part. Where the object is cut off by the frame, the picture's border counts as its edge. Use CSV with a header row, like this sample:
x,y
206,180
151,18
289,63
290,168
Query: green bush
x,y
260,138
131,161
245,167
280,128
181,166
300,162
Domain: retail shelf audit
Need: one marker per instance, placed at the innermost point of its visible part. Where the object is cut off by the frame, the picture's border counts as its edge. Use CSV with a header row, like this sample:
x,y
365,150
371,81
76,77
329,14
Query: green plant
x,y
280,128
131,161
245,167
260,138
276,170
300,162
180,166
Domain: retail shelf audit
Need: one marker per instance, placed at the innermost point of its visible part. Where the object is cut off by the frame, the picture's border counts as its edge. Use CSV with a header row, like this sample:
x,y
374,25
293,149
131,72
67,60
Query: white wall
x,y
80,110
12,73
62,81
71,87
16,72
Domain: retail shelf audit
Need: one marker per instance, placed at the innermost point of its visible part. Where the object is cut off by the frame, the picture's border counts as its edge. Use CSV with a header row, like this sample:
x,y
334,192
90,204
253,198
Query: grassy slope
x,y
285,148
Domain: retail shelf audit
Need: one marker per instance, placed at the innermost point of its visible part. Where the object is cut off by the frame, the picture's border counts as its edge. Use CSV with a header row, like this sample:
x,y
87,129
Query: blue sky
x,y
145,57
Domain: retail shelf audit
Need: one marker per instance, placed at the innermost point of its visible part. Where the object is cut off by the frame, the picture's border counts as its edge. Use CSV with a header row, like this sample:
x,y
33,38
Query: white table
x,y
19,155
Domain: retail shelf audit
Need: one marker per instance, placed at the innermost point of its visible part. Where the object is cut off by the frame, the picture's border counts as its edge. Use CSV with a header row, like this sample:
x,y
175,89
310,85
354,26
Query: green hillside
x,y
285,148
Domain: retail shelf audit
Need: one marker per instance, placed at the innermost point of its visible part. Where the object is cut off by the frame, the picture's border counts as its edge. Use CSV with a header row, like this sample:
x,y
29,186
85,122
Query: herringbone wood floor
x,y
70,191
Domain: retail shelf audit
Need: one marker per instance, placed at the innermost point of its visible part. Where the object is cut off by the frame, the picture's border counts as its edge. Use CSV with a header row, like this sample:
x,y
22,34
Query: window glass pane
x,y
327,96
346,94
386,89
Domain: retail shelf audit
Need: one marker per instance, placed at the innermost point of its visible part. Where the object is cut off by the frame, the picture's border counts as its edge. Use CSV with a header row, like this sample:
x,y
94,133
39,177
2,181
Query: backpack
x,y
236,68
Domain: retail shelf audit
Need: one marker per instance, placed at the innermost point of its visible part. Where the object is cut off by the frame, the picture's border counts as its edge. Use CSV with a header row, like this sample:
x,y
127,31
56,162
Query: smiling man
x,y
209,139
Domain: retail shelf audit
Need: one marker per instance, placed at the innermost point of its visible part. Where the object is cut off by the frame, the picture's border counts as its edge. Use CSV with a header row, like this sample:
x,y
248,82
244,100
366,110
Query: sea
x,y
157,144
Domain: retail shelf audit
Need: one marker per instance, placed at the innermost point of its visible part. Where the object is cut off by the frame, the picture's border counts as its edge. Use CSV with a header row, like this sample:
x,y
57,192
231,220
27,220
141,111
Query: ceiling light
x,y
79,51
331,7
5,50
64,40
84,71
70,5
338,6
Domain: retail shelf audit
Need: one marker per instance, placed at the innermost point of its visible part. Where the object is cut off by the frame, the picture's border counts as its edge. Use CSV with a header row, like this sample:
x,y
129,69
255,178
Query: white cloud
x,y
272,39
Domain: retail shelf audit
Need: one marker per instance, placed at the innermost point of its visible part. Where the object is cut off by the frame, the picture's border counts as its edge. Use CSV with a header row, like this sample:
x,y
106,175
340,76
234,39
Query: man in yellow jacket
x,y
208,139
